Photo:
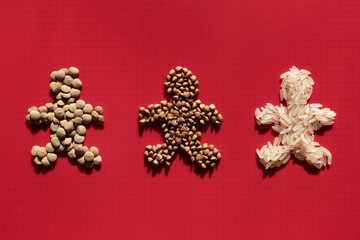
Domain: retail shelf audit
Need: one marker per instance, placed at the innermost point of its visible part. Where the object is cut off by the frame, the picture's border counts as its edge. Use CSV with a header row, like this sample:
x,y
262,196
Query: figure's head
x,y
65,84
181,83
296,86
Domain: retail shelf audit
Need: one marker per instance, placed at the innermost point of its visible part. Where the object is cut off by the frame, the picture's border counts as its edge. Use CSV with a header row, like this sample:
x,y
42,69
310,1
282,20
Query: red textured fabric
x,y
124,50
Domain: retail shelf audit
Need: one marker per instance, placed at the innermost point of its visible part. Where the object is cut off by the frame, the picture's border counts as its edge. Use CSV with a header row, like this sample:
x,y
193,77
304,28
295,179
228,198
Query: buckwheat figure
x,y
179,119
295,123
67,117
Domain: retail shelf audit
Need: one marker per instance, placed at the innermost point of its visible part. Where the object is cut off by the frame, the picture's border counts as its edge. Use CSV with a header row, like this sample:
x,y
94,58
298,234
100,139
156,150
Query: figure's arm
x,y
321,117
83,113
268,114
97,115
206,113
37,116
154,112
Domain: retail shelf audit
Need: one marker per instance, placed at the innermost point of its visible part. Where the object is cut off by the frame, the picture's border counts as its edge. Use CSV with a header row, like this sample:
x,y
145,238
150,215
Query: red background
x,y
124,50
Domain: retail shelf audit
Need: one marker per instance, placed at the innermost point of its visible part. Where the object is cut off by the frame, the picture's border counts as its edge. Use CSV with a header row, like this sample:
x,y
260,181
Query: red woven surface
x,y
124,50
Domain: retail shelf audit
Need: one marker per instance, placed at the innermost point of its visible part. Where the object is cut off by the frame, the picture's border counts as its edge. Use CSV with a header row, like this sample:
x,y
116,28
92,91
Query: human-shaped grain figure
x,y
295,123
67,117
179,119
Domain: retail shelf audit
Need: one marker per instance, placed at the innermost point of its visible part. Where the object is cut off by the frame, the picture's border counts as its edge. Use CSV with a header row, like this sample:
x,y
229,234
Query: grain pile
x,y
179,118
67,118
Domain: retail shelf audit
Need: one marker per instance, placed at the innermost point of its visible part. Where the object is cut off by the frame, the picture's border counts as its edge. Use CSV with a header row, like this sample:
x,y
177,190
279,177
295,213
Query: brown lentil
x,y
37,161
81,160
87,108
78,138
34,150
86,118
94,150
73,72
51,157
60,132
45,162
97,160
81,130
49,148
89,156
99,110
41,152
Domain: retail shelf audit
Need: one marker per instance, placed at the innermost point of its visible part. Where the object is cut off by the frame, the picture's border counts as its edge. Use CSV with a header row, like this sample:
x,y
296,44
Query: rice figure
x,y
295,123
66,117
178,119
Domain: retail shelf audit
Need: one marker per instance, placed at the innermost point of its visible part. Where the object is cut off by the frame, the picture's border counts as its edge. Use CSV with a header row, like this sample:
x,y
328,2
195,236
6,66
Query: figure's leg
x,y
44,155
160,154
318,156
84,155
205,155
274,155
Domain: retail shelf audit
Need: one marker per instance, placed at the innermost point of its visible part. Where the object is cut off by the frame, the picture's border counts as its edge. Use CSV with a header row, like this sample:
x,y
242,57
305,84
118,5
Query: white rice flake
x,y
316,105
305,71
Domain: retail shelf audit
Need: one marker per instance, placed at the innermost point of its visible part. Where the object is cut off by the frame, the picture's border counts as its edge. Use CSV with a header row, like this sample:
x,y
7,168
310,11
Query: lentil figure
x,y
66,117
